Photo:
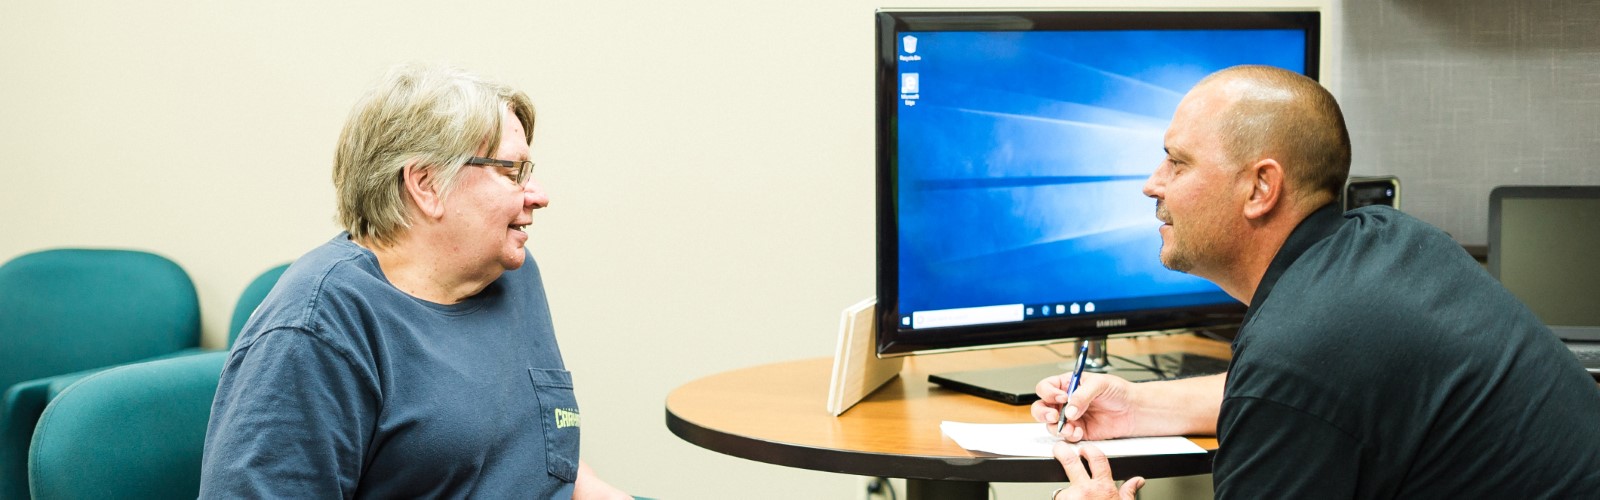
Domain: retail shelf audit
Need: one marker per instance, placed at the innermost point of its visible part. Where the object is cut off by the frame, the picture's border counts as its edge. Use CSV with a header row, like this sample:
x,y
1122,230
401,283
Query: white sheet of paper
x,y
1033,440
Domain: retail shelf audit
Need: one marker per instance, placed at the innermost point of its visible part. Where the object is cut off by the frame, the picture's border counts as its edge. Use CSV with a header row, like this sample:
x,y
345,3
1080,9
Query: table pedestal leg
x,y
927,489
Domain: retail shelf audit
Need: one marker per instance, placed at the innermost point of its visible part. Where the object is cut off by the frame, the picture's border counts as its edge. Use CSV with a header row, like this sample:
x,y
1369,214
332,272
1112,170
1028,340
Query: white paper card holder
x,y
857,370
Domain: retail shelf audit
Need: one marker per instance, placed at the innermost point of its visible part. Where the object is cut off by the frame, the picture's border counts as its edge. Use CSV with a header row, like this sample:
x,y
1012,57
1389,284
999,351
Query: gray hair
x,y
418,116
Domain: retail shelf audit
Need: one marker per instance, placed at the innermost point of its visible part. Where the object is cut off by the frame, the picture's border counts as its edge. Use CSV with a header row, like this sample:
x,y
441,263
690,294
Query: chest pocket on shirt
x,y
558,414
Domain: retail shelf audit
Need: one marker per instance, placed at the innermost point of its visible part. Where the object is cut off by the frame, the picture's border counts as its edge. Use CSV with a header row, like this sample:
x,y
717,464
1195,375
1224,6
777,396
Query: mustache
x,y
1162,214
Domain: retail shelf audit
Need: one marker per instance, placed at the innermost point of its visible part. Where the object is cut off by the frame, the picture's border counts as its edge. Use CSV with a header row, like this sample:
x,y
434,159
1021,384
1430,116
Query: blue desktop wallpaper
x,y
1022,156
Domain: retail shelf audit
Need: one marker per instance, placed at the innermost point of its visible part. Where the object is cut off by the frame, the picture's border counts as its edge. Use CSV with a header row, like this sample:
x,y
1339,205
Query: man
x,y
413,354
1376,359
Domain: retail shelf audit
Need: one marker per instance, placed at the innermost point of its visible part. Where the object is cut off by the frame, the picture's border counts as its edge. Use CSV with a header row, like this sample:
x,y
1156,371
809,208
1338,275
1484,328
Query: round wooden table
x,y
777,414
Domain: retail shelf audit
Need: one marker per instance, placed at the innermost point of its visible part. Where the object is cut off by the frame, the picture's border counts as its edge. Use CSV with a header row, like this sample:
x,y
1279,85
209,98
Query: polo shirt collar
x,y
1316,227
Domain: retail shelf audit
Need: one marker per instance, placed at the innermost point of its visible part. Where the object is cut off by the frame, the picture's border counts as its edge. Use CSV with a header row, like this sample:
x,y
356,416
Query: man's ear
x,y
1266,188
422,187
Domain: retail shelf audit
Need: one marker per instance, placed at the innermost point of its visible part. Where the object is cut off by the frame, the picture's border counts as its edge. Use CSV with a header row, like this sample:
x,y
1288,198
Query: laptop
x,y
1543,243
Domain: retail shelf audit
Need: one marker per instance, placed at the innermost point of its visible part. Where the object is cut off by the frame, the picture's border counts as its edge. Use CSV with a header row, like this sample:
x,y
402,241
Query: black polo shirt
x,y
1379,360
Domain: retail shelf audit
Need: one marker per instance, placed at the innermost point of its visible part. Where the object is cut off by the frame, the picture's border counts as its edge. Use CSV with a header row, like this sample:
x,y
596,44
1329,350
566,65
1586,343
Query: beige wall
x,y
709,164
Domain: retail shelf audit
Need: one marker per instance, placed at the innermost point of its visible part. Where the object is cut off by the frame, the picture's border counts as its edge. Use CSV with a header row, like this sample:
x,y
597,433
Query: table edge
x,y
944,468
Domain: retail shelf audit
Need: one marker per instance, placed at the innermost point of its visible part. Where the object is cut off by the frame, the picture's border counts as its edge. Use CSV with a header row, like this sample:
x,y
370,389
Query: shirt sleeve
x,y
291,419
1275,451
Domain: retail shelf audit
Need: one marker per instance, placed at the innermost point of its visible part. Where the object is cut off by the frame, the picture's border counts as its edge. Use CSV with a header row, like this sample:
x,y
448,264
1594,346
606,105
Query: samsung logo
x,y
1108,323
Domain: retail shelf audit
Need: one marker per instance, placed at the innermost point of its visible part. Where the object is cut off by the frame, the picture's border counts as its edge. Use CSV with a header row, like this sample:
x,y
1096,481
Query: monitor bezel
x,y
891,341
1496,250
1499,194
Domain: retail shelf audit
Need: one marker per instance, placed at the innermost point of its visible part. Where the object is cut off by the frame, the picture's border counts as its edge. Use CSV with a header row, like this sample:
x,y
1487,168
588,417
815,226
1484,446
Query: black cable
x,y
1161,374
1140,365
1155,365
1207,333
879,485
1059,354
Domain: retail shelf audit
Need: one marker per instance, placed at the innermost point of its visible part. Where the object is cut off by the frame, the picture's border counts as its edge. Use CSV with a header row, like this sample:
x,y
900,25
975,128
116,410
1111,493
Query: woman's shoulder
x,y
330,284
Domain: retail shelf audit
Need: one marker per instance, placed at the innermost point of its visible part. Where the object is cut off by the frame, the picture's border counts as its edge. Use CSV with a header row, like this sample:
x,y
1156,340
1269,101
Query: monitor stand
x,y
1015,385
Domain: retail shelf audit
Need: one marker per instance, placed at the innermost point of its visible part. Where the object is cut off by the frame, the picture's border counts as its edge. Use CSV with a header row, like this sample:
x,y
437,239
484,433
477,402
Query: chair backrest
x,y
253,294
134,431
69,310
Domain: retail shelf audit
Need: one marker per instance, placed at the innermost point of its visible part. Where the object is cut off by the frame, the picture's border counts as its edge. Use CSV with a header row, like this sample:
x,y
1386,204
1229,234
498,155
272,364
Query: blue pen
x,y
1077,373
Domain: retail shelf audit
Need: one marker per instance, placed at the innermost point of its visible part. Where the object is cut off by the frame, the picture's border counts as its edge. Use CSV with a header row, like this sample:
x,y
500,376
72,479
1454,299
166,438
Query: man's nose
x,y
1152,185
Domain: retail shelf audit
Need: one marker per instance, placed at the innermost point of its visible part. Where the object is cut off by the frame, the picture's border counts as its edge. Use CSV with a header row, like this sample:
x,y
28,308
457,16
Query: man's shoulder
x,y
1388,230
1380,271
1378,259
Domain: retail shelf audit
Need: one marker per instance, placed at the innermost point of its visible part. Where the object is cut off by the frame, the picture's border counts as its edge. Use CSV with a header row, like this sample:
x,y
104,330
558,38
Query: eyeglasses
x,y
524,167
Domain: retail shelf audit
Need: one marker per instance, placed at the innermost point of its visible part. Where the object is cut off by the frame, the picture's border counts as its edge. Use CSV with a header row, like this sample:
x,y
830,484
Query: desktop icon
x,y
910,43
909,83
1088,307
1075,309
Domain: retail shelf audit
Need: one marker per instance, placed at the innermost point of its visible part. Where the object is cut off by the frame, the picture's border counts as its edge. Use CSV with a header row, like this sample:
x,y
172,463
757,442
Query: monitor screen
x,y
1012,152
1542,241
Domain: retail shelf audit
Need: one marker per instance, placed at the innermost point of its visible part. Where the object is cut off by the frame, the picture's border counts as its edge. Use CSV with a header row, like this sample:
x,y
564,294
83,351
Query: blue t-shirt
x,y
342,385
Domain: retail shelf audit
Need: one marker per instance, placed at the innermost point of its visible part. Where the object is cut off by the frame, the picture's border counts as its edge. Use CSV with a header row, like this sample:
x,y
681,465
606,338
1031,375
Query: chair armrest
x,y
22,405
60,383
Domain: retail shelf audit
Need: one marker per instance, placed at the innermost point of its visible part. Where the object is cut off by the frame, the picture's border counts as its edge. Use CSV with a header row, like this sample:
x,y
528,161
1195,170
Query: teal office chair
x,y
251,298
134,431
253,294
65,313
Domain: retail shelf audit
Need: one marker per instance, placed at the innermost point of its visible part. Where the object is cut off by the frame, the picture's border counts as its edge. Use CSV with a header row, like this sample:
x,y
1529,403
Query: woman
x,y
413,354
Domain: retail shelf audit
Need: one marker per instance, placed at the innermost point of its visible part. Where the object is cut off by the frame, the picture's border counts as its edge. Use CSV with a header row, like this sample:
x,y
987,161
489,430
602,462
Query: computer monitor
x,y
1542,242
1012,150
